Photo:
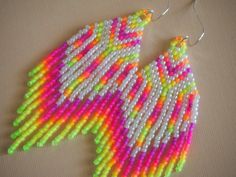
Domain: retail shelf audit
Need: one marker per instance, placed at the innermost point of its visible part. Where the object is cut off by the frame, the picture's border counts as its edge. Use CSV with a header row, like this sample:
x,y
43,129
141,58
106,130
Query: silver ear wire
x,y
163,13
202,26
187,38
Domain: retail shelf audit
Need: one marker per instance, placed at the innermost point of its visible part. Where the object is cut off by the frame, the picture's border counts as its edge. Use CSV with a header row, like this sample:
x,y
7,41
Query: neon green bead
x,y
26,147
20,118
10,151
99,150
30,74
98,87
35,70
84,131
133,114
50,132
38,135
15,123
158,173
96,127
167,174
169,169
164,92
75,131
35,78
171,129
33,89
136,55
113,48
40,144
97,140
70,64
88,126
72,135
56,141
180,165
97,161
101,155
104,140
20,109
31,82
61,136
28,123
15,134
22,138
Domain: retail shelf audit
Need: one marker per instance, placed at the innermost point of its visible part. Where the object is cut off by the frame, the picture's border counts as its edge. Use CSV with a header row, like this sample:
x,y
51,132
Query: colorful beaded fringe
x,y
142,119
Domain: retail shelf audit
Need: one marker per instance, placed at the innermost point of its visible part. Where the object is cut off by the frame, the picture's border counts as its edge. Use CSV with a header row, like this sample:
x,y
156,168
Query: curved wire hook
x,y
202,26
162,14
190,44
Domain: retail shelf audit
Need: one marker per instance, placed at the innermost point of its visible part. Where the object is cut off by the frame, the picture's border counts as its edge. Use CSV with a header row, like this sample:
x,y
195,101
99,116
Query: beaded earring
x,y
142,119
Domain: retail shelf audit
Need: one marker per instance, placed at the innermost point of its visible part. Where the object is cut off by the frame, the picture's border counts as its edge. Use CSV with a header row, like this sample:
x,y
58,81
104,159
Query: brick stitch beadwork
x,y
142,119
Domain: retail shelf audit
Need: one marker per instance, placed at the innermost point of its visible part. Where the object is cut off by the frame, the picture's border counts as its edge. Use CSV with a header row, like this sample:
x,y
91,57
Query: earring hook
x,y
202,26
163,13
187,38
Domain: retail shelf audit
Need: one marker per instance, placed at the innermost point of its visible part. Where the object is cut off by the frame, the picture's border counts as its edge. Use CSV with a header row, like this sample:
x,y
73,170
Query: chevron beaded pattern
x,y
142,119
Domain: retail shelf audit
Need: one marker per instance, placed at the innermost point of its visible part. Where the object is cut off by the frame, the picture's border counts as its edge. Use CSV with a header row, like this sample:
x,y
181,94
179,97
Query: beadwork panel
x,y
132,85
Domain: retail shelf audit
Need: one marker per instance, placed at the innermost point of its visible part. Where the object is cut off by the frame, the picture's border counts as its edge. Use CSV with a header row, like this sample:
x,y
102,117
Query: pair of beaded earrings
x,y
142,119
